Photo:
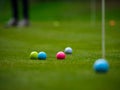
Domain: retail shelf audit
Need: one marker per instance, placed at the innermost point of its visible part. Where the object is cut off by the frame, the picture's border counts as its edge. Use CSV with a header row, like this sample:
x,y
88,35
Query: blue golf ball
x,y
101,66
42,55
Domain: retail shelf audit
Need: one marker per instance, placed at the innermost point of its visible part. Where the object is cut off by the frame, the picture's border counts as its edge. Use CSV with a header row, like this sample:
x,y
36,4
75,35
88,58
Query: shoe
x,y
23,23
11,23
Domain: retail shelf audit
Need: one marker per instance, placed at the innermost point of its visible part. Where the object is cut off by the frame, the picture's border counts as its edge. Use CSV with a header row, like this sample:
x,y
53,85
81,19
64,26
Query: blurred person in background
x,y
14,20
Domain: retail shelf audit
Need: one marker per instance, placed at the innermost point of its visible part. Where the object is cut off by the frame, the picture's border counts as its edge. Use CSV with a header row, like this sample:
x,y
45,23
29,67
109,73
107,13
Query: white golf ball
x,y
68,50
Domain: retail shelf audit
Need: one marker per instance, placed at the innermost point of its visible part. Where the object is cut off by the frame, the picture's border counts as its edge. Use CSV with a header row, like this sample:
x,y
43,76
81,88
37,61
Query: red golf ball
x,y
60,55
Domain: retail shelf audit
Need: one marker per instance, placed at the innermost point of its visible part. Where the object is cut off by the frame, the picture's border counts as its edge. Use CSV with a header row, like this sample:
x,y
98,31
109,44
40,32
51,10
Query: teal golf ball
x,y
68,50
101,66
42,55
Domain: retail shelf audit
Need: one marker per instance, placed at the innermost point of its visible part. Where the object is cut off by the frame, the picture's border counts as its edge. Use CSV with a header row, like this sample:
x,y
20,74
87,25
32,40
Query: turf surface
x,y
18,72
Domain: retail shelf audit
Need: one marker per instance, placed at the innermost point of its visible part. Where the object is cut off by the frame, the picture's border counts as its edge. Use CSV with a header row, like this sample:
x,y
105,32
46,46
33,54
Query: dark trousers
x,y
15,12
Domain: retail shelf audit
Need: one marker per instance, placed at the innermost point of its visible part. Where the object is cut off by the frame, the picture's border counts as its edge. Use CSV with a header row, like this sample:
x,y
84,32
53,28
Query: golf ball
x,y
101,66
34,55
42,55
112,23
68,50
56,23
60,55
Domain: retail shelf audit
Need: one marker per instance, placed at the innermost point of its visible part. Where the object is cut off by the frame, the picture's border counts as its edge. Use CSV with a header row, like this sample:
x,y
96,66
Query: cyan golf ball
x,y
68,50
101,66
42,55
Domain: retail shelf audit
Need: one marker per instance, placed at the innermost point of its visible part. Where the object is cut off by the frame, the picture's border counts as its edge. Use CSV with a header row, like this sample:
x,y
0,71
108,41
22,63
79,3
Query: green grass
x,y
18,72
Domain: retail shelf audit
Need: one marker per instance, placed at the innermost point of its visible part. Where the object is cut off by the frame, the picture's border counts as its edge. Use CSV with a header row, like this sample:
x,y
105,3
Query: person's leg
x,y
14,20
25,9
14,4
25,21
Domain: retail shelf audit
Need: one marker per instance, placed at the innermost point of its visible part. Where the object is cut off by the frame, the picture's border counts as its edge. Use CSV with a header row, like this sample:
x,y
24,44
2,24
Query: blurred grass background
x,y
74,29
